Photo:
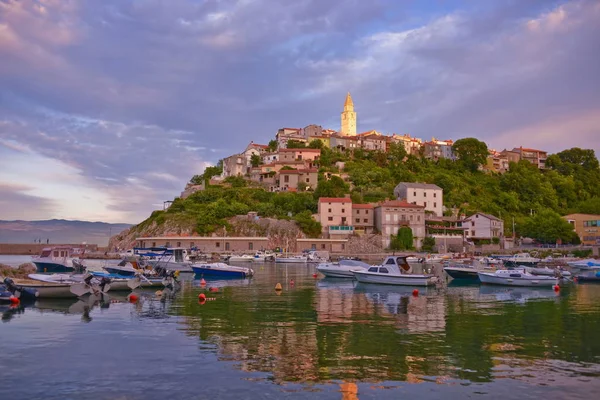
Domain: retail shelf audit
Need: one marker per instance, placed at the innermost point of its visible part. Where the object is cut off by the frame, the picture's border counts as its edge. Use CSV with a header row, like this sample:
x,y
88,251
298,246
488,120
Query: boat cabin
x,y
57,252
395,265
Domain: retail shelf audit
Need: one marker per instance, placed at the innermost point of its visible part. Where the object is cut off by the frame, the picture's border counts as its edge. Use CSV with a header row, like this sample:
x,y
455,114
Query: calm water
x,y
318,338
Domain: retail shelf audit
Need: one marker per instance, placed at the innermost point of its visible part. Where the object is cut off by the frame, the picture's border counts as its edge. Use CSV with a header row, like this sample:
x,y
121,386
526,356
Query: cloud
x,y
16,203
133,98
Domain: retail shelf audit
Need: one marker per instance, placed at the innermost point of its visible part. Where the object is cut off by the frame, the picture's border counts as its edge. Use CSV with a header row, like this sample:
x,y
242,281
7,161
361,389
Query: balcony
x,y
341,230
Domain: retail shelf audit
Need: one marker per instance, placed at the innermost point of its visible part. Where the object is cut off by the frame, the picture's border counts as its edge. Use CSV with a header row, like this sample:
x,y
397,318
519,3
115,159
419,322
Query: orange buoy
x,y
213,289
556,288
315,275
132,297
278,287
202,297
14,300
416,292
202,282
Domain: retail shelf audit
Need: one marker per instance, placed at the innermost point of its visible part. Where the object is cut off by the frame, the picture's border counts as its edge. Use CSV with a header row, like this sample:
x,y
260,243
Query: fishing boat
x,y
395,270
521,259
341,269
302,259
222,270
241,258
56,259
516,277
45,289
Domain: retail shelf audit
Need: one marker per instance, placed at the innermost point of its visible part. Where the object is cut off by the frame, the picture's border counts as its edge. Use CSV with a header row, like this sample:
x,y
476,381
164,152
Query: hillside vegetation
x,y
534,198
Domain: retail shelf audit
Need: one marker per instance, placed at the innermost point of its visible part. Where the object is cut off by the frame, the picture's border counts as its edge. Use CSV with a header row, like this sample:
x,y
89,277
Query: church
x,y
348,117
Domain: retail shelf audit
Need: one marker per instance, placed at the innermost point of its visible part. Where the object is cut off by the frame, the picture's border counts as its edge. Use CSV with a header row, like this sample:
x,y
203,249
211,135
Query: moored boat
x,y
591,276
292,260
394,271
462,272
588,264
341,269
241,258
264,256
222,270
516,277
56,259
521,259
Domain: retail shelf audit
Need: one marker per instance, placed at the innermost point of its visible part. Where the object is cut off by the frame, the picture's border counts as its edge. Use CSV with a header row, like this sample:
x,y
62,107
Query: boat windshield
x,y
46,253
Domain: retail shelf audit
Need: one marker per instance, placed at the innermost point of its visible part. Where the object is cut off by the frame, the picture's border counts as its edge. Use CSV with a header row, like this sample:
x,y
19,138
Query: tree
x,y
334,187
272,146
236,181
428,244
307,224
471,152
547,226
208,173
255,160
316,144
295,144
403,240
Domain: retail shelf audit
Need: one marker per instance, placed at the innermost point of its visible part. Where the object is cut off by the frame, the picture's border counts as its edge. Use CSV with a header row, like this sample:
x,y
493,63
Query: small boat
x,y
591,276
556,272
20,292
521,259
78,285
314,256
394,271
123,269
241,258
462,272
222,270
516,277
172,259
5,294
589,264
292,260
490,261
341,269
118,282
264,256
56,259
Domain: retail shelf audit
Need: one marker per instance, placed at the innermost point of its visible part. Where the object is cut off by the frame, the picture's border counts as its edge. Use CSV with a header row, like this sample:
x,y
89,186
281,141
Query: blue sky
x,y
107,108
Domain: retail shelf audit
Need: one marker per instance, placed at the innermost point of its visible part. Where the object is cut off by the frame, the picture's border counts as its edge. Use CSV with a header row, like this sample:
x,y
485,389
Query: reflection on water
x,y
336,336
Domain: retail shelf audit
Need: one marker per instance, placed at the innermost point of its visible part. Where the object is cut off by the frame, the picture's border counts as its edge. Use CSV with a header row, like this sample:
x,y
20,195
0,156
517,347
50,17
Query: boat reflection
x,y
515,294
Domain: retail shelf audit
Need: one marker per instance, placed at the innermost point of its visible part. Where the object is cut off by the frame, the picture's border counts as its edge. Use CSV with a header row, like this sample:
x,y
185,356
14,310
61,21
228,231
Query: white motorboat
x,y
241,258
264,256
173,259
555,272
341,269
516,277
292,260
315,256
55,286
394,271
222,270
490,261
56,259
521,259
588,264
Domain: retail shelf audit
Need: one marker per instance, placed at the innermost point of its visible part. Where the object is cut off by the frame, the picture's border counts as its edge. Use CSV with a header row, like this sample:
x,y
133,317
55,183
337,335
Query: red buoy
x,y
213,289
315,275
132,297
202,297
416,292
292,282
556,288
14,300
202,282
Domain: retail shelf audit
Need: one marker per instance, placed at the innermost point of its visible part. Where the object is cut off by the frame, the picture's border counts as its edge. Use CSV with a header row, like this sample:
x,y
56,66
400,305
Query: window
x,y
226,245
387,217
418,218
390,261
307,180
56,253
323,246
434,204
330,219
286,178
313,247
168,244
472,223
343,210
411,218
329,210
383,270
192,244
366,211
357,211
343,246
250,246
153,244
414,193
435,195
395,217
217,245
178,244
476,215
425,204
373,269
366,220
403,217
357,220
472,233
424,194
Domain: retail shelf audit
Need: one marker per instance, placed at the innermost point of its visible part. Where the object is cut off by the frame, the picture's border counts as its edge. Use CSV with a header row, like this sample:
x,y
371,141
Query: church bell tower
x,y
348,118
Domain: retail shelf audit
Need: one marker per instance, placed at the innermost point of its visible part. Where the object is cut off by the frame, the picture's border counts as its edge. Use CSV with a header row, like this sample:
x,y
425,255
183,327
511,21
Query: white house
x,y
482,226
422,194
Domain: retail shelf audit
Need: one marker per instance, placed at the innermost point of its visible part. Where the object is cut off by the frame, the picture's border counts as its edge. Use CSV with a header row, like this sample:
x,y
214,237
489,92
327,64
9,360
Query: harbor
x,y
290,331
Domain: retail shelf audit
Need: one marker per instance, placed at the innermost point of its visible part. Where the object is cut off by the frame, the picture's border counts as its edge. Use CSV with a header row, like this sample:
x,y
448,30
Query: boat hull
x,y
462,273
51,267
46,290
291,261
221,273
538,281
401,280
119,271
336,272
517,264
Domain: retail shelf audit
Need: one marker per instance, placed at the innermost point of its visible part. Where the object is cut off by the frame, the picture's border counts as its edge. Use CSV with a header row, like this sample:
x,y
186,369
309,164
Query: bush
x,y
428,244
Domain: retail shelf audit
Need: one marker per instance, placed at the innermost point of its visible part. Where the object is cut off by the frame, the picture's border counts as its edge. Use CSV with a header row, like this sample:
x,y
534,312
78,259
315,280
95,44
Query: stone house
x,y
363,216
391,215
427,195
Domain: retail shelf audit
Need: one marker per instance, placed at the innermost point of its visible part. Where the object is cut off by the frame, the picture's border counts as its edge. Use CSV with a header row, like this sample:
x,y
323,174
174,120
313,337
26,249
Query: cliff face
x,y
281,233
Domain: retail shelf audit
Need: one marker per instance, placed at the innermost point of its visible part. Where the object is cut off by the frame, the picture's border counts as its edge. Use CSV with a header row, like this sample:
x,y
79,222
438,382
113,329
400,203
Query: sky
x,y
108,108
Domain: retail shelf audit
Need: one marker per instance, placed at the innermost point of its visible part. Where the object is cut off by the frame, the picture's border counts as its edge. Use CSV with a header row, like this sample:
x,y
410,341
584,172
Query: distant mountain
x,y
59,231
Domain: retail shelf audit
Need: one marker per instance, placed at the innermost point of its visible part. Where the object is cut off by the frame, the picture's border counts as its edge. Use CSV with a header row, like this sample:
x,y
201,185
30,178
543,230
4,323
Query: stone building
x,y
348,118
480,226
587,227
427,195
363,216
335,215
391,215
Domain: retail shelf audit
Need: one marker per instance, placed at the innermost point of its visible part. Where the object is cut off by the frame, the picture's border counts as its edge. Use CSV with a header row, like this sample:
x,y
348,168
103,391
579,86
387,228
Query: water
x,y
14,261
320,338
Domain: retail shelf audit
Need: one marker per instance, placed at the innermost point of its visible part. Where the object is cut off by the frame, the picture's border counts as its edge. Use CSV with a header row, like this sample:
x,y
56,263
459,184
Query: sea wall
x,y
26,249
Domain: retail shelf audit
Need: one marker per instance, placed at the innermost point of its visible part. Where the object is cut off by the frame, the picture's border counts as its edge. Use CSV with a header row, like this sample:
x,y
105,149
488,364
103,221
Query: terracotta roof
x,y
335,200
399,203
295,150
361,206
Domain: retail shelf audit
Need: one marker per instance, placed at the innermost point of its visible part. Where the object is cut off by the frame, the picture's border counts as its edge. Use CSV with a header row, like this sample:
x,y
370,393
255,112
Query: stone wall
x,y
35,248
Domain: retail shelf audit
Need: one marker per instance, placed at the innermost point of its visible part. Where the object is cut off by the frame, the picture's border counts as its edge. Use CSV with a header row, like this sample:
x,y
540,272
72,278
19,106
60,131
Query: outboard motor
x,y
20,291
103,283
5,295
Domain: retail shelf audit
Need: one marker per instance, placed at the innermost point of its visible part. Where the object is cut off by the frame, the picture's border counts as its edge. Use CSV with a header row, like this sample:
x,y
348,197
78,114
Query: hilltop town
x,y
352,186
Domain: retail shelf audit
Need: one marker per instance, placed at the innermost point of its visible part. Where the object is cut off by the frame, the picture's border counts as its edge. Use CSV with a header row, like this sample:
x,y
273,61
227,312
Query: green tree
x,y
208,173
471,152
236,181
547,226
428,244
295,144
403,240
307,224
272,146
316,144
255,160
334,187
